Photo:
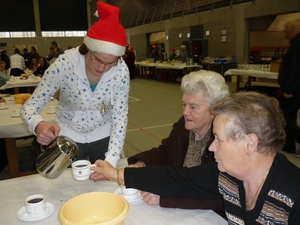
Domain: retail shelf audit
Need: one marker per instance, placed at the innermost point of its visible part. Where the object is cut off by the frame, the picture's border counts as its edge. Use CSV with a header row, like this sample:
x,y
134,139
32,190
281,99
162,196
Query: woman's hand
x,y
137,165
103,170
46,132
149,198
287,95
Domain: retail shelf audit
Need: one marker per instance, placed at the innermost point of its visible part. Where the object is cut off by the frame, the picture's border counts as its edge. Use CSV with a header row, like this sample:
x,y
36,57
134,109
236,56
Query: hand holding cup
x,y
81,169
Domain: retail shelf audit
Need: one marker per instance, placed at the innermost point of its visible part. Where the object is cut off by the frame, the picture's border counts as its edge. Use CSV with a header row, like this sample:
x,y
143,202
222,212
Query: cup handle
x,y
93,165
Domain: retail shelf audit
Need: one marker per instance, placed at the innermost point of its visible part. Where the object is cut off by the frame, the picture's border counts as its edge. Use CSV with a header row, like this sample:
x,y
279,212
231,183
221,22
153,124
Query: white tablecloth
x,y
176,66
17,82
251,73
12,127
59,190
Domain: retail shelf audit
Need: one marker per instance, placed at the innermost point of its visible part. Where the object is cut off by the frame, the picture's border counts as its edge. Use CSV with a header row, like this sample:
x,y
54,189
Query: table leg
x,y
12,156
16,90
13,159
237,84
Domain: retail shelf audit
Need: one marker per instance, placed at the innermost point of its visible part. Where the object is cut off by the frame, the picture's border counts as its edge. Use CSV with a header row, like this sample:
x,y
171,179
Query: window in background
x,y
22,34
4,35
63,33
75,33
53,33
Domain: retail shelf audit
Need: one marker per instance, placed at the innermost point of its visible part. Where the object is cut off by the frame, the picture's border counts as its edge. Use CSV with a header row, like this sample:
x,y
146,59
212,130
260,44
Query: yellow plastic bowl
x,y
101,208
20,98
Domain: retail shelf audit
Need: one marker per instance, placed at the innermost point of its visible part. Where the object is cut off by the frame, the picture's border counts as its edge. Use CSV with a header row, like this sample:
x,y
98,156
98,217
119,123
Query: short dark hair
x,y
54,43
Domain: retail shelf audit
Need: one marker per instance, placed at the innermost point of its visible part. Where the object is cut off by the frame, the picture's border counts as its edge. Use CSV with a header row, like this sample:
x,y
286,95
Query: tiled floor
x,y
153,107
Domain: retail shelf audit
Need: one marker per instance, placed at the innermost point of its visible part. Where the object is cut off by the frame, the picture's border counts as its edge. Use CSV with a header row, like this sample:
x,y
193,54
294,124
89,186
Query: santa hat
x,y
107,35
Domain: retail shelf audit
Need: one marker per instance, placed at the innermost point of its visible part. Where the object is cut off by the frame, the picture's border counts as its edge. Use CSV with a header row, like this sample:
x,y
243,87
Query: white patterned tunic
x,y
84,115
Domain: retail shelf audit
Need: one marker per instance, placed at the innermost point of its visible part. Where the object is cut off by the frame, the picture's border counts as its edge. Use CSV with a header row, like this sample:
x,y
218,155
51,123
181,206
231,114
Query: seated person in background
x,y
4,74
188,142
258,184
57,50
172,55
26,56
34,65
17,63
50,55
33,54
43,65
4,57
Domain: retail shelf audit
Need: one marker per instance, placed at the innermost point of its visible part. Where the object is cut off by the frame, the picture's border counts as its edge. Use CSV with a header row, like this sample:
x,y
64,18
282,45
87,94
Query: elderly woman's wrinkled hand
x,y
149,198
103,170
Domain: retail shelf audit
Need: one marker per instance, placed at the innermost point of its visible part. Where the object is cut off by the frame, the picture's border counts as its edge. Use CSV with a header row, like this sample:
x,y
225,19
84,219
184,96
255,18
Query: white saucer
x,y
22,214
138,196
6,107
51,112
14,115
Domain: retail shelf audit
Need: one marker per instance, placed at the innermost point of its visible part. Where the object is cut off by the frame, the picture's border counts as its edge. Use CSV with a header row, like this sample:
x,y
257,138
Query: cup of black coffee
x,y
35,204
81,169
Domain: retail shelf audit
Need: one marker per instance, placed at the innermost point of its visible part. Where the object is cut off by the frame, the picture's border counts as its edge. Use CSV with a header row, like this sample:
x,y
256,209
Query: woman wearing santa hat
x,y
93,80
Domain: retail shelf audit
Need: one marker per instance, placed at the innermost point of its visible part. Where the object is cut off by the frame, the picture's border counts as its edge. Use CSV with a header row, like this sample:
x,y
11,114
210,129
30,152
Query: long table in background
x,y
59,190
13,128
17,82
269,79
164,71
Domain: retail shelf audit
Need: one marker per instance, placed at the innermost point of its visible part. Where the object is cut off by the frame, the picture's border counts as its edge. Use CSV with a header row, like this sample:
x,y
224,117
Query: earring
x,y
248,153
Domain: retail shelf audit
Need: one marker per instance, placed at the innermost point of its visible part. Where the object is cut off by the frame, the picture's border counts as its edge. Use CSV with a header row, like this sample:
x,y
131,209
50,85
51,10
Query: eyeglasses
x,y
99,61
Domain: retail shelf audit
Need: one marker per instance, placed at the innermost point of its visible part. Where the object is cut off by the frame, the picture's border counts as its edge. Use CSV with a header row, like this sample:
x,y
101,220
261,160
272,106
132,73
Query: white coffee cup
x,y
16,112
81,169
129,193
2,105
35,204
11,97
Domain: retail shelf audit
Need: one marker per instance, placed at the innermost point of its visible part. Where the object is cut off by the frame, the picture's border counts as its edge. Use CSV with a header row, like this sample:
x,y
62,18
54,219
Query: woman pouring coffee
x,y
94,86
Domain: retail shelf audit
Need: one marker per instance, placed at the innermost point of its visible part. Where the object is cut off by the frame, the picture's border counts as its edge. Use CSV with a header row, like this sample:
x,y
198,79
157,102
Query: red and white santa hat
x,y
107,35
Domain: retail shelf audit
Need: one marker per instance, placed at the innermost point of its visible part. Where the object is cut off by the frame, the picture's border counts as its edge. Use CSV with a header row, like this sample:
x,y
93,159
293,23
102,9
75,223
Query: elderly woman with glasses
x,y
94,87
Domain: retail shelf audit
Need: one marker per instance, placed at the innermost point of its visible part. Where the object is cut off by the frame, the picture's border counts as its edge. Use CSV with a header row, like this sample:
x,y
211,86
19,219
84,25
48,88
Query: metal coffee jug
x,y
56,157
